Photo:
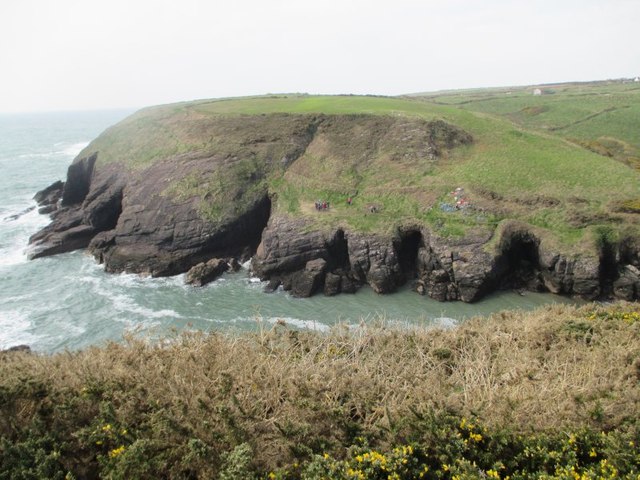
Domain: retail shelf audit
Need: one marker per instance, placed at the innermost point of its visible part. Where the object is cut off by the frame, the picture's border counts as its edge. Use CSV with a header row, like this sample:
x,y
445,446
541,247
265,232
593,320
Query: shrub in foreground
x,y
549,394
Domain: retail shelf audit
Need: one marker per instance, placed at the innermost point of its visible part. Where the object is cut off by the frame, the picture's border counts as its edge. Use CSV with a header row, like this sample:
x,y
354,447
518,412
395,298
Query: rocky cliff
x,y
443,268
223,197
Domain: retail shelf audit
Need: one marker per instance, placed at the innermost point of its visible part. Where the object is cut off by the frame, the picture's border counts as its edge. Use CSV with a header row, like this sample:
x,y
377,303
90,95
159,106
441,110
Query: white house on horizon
x,y
537,91
637,79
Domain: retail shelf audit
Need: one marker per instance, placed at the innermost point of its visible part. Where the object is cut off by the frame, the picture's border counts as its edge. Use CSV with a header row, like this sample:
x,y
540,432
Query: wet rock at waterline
x,y
206,272
50,196
17,349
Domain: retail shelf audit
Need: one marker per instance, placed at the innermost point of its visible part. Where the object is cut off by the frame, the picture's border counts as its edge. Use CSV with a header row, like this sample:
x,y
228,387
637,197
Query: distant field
x,y
327,104
520,164
604,116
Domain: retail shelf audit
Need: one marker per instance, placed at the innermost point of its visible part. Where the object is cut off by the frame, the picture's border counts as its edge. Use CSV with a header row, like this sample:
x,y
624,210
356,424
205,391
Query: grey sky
x,y
84,54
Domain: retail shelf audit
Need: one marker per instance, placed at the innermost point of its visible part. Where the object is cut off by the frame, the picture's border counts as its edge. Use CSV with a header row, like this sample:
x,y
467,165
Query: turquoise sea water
x,y
69,302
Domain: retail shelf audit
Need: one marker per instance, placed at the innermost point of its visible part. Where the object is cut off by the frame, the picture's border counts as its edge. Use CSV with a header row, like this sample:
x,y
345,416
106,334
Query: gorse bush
x,y
548,394
460,453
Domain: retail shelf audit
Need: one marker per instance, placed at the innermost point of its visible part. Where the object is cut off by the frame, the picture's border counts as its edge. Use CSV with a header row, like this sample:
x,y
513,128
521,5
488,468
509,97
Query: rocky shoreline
x,y
128,222
306,262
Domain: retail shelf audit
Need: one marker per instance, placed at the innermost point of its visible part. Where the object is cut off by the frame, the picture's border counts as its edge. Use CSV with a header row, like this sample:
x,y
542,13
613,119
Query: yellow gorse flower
x,y
116,451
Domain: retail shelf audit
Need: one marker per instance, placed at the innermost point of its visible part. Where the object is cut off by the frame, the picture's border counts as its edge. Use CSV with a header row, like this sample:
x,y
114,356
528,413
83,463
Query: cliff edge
x,y
330,193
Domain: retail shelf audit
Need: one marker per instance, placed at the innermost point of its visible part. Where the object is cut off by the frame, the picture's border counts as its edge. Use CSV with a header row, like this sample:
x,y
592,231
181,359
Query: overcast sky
x,y
87,54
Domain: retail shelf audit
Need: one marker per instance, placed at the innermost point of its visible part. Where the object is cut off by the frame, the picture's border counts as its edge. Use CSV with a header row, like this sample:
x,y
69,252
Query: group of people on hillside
x,y
322,205
460,198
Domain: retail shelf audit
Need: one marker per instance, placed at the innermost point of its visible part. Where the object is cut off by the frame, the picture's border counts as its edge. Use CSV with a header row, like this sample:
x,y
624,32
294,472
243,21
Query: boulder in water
x,y
17,348
206,272
308,281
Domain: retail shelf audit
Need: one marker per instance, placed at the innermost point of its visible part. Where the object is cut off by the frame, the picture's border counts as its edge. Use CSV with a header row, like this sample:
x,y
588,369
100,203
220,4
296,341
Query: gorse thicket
x,y
553,393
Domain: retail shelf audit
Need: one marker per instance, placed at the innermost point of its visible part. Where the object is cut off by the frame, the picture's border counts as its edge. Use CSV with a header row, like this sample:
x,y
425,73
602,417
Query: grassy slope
x,y
593,112
176,409
505,159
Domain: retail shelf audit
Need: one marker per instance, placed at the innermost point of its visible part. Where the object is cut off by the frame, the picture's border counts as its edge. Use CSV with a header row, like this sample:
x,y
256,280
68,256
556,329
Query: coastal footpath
x,y
326,194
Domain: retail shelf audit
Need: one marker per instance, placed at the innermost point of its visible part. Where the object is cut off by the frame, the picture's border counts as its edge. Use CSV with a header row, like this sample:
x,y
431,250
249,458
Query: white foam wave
x,y
14,213
17,234
298,323
31,220
12,256
175,281
75,149
68,329
20,298
134,280
38,154
62,149
445,322
125,304
14,330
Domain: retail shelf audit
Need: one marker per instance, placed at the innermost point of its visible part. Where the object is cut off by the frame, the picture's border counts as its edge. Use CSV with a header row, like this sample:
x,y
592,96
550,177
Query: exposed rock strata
x,y
161,220
445,269
49,197
131,221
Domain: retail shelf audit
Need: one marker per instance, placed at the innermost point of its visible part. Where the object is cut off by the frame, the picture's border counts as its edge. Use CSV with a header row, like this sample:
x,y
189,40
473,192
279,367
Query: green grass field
x,y
592,112
526,160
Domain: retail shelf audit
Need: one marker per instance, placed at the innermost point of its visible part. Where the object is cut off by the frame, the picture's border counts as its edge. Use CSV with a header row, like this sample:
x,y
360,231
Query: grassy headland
x,y
513,169
553,393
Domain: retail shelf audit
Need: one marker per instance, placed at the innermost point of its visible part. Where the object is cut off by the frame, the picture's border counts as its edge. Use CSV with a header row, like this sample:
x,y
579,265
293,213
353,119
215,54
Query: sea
x,y
68,302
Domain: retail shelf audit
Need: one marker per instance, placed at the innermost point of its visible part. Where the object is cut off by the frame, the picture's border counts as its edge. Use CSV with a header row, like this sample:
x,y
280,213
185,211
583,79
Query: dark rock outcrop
x,y
206,272
65,234
332,284
156,220
78,181
445,269
17,349
285,252
48,198
46,209
627,286
309,280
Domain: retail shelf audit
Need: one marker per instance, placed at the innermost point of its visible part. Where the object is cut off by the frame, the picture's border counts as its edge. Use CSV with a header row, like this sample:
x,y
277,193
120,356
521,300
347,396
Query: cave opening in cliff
x,y
410,243
261,215
112,215
522,262
339,251
608,268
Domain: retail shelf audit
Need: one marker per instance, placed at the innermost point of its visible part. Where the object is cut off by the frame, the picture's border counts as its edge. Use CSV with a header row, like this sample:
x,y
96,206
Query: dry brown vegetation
x,y
290,393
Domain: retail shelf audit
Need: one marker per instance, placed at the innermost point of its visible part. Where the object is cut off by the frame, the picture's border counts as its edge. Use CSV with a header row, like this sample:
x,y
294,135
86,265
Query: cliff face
x,y
442,268
169,216
220,199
